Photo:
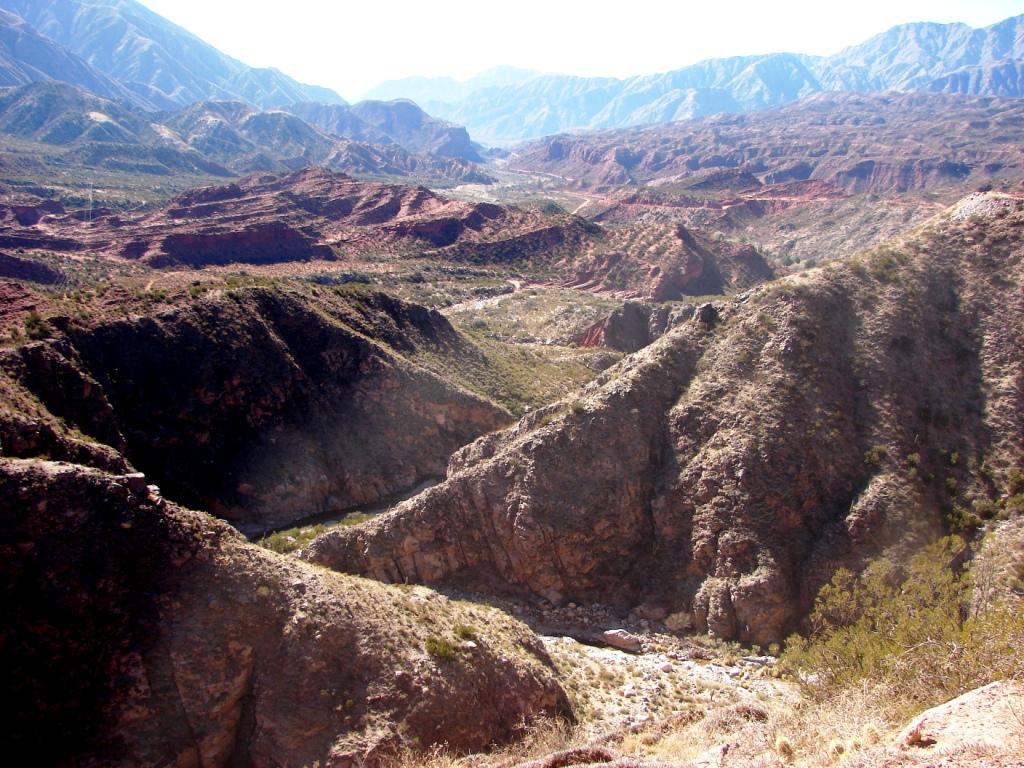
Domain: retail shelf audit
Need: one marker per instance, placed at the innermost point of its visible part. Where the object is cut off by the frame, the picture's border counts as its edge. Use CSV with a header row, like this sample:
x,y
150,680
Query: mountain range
x,y
223,138
162,65
122,89
947,58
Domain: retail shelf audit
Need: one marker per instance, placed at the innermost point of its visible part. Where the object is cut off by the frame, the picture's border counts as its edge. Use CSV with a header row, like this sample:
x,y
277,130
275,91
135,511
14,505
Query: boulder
x,y
990,716
623,640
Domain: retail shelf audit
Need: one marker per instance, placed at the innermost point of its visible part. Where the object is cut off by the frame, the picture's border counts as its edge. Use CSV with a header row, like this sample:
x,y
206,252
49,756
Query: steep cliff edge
x,y
263,406
725,471
139,633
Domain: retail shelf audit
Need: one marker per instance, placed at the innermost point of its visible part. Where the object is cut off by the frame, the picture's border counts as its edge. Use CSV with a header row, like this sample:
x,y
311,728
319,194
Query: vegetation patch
x,y
439,648
911,629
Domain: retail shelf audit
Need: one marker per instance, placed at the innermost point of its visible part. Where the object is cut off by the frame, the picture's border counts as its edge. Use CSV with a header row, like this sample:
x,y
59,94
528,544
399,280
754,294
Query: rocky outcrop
x,y
726,470
684,263
261,406
145,634
634,325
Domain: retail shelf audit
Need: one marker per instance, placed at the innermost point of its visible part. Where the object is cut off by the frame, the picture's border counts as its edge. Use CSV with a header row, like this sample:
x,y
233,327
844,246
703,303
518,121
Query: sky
x,y
351,46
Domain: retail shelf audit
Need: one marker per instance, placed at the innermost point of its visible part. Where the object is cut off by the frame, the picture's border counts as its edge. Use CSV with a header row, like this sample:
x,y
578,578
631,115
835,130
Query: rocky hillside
x,y
94,132
909,57
875,143
311,214
261,406
165,66
720,475
146,634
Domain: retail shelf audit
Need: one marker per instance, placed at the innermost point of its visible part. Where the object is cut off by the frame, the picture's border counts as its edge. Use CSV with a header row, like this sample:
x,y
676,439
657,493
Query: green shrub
x,y
912,464
440,648
909,628
962,520
465,632
874,455
1015,482
35,327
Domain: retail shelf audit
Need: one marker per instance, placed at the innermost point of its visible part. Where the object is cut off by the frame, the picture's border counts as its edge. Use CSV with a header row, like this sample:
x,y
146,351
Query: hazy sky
x,y
351,46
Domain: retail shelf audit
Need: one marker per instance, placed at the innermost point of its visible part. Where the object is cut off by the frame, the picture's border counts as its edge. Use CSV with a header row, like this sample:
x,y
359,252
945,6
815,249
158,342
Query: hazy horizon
x,y
353,48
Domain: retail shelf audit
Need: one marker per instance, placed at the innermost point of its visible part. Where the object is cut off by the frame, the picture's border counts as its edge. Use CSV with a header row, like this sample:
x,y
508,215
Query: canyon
x,y
331,436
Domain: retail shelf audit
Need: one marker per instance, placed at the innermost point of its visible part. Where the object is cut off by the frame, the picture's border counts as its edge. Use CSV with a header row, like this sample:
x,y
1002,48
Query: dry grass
x,y
540,739
785,731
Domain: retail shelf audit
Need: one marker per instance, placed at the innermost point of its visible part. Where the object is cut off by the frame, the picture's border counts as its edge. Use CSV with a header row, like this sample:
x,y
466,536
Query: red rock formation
x,y
310,214
684,264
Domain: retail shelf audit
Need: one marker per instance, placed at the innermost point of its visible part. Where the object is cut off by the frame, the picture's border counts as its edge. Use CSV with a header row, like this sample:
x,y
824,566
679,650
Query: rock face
x,y
726,470
305,215
261,406
856,143
145,635
634,325
29,270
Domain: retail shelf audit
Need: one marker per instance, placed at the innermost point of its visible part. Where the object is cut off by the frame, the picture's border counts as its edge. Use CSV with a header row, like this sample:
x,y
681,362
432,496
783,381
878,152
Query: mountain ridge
x,y
907,57
165,65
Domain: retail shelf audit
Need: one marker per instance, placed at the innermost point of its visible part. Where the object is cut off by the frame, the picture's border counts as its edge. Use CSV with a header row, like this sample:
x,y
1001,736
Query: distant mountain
x,y
163,64
383,122
27,56
951,58
211,138
246,139
424,90
911,56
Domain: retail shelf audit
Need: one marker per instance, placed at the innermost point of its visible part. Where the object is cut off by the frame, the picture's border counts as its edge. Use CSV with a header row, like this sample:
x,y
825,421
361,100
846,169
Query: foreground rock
x,y
725,471
985,717
140,633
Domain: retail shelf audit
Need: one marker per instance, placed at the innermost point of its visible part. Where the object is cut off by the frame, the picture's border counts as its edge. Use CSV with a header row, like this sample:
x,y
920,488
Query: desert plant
x,y
439,648
35,327
907,628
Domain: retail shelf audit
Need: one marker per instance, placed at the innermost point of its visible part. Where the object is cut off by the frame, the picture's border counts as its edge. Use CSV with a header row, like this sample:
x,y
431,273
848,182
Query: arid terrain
x,y
332,437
